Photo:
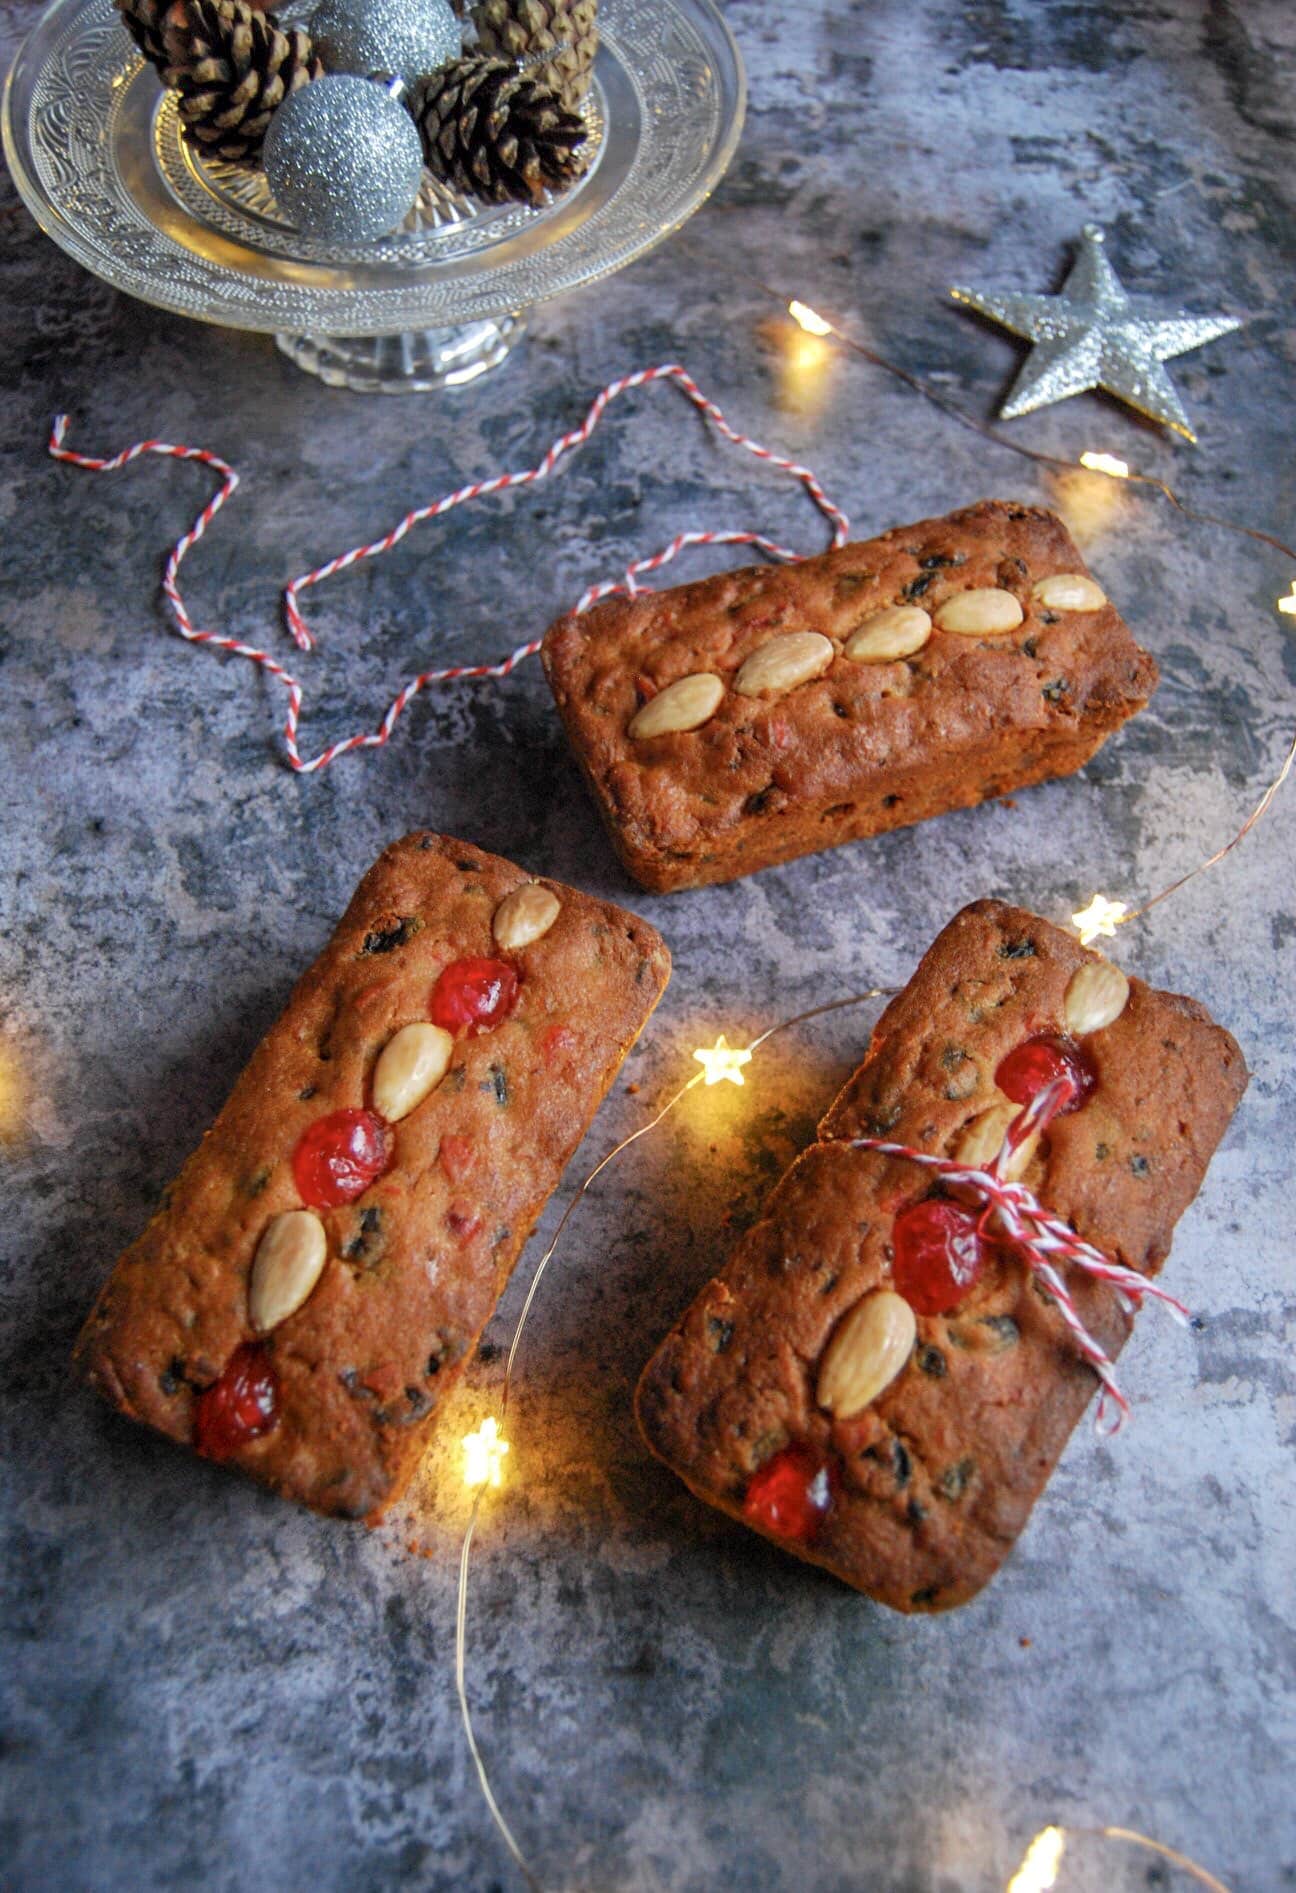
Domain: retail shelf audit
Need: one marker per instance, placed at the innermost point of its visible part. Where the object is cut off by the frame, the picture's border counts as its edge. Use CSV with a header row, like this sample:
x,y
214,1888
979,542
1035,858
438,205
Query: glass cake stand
x,y
94,146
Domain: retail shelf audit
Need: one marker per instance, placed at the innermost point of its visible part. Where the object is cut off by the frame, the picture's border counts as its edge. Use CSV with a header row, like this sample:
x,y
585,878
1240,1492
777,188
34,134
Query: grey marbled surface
x,y
203,1688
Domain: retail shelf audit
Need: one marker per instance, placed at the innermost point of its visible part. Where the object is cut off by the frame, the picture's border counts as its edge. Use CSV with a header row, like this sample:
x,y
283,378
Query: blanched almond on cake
x,y
985,612
1068,591
1095,996
411,1063
523,916
289,1261
686,704
982,1140
869,1346
797,657
894,632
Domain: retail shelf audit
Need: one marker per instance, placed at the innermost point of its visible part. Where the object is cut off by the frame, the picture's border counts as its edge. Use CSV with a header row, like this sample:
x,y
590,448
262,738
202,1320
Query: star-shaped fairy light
x,y
723,1060
1101,916
1094,335
1039,1869
1288,602
484,1453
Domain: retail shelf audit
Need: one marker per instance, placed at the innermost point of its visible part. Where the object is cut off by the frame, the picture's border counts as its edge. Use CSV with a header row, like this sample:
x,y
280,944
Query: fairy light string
x,y
726,1062
1038,1237
1089,462
479,1485
486,1448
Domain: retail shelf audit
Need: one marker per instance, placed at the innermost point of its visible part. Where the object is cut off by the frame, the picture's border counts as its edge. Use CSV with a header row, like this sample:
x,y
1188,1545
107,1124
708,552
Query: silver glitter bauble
x,y
343,159
405,38
1095,335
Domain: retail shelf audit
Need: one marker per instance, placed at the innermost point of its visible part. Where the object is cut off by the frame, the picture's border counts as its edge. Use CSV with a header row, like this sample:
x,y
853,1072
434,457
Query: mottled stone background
x,y
203,1688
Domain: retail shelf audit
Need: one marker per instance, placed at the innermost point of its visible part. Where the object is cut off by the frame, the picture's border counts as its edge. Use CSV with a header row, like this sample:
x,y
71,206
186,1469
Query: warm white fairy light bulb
x,y
723,1060
1039,1869
809,319
1101,916
484,1453
1106,463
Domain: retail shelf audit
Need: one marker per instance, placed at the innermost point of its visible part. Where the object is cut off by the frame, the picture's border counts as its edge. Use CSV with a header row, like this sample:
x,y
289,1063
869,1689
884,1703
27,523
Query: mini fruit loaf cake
x,y
329,1255
870,1381
770,712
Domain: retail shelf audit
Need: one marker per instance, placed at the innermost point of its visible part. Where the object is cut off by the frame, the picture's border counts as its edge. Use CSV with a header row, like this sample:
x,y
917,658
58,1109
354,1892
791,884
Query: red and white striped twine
x,y
303,637
170,571
1014,1214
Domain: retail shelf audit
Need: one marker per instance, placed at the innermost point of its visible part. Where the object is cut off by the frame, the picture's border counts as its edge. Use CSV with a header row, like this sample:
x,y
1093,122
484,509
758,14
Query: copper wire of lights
x,y
718,1063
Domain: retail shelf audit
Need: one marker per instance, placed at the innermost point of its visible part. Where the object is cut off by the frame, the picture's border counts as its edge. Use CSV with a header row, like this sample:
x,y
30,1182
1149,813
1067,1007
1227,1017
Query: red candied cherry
x,y
1037,1062
791,1494
471,996
937,1254
240,1406
340,1156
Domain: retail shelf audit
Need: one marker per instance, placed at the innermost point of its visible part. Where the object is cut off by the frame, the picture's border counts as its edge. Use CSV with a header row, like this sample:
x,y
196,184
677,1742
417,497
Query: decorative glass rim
x,y
94,146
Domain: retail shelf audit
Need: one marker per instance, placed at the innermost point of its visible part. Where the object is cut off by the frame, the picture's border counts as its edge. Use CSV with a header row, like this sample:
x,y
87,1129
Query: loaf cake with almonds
x,y
739,722
873,1381
327,1258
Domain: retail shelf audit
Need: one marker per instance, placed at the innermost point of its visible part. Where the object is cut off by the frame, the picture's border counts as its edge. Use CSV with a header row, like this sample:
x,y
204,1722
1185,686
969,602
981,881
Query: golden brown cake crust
x,y
938,1475
865,747
416,1264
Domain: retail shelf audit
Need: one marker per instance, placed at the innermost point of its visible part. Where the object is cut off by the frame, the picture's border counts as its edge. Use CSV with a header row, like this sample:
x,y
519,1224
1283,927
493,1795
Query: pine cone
x,y
556,39
231,65
143,21
497,134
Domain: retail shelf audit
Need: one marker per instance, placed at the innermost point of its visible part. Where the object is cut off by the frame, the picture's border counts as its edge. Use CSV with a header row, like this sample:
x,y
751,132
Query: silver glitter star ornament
x,y
1094,335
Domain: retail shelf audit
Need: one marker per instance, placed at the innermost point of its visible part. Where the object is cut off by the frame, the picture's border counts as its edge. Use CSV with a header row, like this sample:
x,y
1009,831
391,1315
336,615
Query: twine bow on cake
x,y
1012,1216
